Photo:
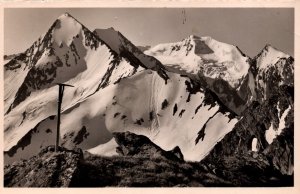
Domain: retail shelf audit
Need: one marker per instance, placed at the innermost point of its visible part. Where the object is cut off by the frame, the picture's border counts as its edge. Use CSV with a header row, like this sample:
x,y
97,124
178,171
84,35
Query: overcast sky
x,y
248,28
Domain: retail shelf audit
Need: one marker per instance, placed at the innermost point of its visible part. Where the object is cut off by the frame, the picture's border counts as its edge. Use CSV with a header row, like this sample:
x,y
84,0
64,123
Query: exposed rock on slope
x,y
47,169
248,170
240,142
130,144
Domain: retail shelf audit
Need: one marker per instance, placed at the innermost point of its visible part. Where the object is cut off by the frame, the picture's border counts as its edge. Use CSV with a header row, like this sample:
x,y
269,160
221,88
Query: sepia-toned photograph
x,y
148,97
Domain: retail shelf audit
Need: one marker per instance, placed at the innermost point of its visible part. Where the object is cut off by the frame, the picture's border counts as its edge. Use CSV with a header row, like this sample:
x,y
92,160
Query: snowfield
x,y
136,104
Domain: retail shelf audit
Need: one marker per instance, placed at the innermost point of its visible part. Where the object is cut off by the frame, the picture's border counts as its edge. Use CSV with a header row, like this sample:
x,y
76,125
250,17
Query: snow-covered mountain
x,y
68,52
274,69
212,58
117,88
194,94
220,66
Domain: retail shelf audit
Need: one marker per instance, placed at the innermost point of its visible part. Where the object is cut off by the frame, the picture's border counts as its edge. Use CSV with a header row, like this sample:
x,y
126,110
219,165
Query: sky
x,y
248,28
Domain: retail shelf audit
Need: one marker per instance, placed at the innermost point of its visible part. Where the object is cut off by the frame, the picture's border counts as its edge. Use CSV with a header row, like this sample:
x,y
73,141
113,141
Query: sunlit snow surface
x,y
66,29
136,98
272,132
118,107
254,145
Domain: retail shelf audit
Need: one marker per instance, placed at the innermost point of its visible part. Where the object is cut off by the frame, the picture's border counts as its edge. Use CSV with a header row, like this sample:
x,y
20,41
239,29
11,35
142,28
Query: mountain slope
x,y
169,114
46,169
121,45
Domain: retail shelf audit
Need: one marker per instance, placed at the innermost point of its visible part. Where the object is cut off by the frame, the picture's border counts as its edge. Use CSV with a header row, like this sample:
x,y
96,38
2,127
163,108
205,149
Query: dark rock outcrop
x,y
281,152
47,169
248,170
141,146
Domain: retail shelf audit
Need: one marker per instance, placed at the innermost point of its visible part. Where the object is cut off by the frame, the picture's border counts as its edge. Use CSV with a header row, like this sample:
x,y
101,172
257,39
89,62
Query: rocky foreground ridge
x,y
140,164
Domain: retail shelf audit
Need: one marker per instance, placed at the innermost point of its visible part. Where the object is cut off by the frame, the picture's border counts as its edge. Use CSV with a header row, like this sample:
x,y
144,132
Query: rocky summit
x,y
47,169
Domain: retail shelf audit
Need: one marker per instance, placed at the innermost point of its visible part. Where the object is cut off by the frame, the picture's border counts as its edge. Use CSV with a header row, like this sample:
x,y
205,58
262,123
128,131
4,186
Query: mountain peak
x,y
111,28
268,48
269,55
66,27
202,38
192,36
65,15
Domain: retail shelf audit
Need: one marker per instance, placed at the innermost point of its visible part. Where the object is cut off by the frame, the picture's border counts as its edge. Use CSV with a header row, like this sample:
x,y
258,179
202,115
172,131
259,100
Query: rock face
x,y
47,169
248,170
130,144
281,152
